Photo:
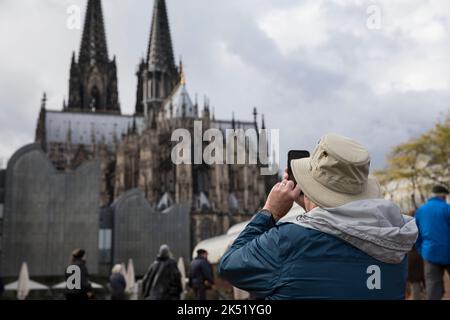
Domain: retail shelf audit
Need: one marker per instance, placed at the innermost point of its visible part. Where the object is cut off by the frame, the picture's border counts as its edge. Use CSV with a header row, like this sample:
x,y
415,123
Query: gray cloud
x,y
311,66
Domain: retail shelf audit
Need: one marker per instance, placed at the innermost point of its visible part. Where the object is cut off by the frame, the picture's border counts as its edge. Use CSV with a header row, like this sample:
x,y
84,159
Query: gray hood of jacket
x,y
375,226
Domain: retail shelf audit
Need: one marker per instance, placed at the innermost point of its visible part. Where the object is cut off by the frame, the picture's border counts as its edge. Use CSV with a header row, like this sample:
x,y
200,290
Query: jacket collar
x,y
375,226
437,199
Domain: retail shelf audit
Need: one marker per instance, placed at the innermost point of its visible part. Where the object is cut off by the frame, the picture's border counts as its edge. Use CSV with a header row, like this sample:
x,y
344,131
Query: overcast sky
x,y
311,66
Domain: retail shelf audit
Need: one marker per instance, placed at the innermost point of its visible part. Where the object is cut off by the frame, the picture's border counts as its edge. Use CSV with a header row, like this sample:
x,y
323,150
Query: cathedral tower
x,y
93,78
157,75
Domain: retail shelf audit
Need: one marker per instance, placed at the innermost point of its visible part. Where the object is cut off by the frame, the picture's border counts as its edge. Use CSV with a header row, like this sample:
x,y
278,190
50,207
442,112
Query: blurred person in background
x,y
200,275
433,243
78,258
118,283
162,280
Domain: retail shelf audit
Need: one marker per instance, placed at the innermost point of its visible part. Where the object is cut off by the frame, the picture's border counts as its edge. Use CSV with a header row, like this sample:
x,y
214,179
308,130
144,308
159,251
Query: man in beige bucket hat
x,y
337,173
350,244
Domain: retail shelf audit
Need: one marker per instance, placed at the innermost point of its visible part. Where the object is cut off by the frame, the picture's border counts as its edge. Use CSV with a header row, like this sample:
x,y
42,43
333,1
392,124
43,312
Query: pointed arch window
x,y
94,100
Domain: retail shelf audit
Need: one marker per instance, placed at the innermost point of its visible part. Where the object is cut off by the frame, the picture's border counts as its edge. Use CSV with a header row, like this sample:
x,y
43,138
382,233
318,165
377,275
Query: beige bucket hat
x,y
336,173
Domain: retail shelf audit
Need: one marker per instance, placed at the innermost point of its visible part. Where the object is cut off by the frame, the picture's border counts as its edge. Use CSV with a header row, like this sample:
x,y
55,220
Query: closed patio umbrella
x,y
182,269
131,280
130,277
24,285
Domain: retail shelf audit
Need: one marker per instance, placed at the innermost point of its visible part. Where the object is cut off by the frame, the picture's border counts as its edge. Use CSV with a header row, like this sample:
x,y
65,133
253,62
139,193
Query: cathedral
x,y
135,150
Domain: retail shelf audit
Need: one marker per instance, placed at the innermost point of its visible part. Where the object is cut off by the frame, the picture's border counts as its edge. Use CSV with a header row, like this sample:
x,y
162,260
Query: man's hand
x,y
281,198
301,198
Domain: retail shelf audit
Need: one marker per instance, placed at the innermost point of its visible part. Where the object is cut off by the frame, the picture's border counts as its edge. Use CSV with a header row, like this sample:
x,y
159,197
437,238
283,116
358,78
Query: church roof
x,y
85,128
179,104
224,125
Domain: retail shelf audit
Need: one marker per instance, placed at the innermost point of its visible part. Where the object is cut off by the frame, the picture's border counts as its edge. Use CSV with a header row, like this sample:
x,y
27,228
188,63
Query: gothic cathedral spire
x,y
157,75
93,79
93,42
160,51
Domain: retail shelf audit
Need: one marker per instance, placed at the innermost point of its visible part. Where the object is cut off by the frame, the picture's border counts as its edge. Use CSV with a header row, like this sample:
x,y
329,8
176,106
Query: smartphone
x,y
292,155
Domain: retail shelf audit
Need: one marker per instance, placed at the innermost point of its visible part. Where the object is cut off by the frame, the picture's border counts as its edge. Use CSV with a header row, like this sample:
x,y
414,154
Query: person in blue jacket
x,y
433,243
351,244
201,276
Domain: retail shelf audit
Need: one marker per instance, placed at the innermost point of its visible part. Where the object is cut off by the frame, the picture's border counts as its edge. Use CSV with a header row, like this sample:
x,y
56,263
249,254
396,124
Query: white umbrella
x,y
182,269
129,276
32,285
132,286
24,285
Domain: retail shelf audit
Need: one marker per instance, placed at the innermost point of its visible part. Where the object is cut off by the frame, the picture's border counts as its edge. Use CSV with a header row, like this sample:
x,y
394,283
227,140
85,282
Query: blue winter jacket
x,y
289,261
433,221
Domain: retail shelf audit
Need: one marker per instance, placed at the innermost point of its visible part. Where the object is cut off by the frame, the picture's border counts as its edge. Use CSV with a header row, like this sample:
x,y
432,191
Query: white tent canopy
x,y
24,285
32,285
217,246
237,228
63,285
